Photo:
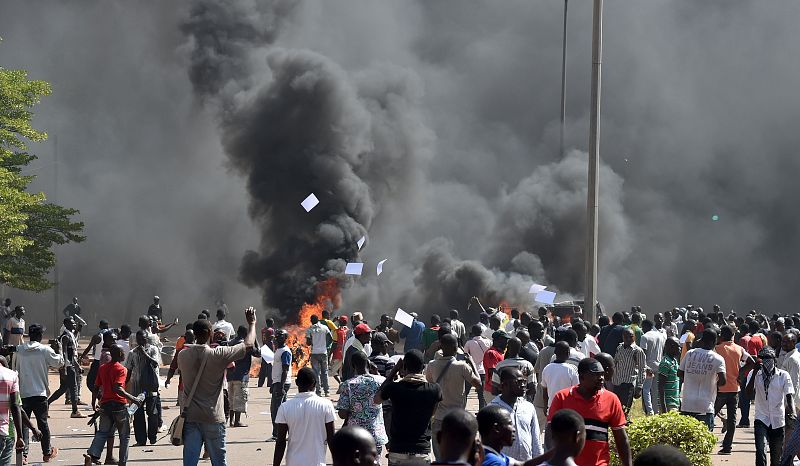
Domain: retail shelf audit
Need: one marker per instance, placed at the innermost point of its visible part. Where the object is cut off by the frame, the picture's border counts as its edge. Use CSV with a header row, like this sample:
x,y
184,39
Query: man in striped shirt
x,y
601,411
669,392
629,365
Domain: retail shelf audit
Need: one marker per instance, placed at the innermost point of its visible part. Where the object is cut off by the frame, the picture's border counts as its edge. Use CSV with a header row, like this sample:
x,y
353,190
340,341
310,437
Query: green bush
x,y
684,432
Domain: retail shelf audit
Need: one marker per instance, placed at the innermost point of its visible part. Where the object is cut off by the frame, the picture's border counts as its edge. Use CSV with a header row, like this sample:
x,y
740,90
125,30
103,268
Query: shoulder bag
x,y
176,428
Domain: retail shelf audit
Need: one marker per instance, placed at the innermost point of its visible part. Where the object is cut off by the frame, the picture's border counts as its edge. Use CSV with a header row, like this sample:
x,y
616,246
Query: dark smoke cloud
x,y
436,135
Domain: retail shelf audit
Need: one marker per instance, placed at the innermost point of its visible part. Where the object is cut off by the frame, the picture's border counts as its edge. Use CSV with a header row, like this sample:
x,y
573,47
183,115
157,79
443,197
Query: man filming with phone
x,y
414,401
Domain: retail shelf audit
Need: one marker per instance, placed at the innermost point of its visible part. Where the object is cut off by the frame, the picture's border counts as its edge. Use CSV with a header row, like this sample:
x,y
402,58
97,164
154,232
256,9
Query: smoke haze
x,y
188,134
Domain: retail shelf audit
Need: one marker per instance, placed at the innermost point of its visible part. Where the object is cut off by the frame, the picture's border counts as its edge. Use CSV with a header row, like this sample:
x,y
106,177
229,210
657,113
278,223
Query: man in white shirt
x,y
318,337
527,443
34,360
558,375
652,342
307,419
586,343
789,360
223,325
773,393
696,372
476,347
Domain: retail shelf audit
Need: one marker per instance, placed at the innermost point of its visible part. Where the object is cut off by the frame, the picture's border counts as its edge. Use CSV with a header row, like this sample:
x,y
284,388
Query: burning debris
x,y
328,297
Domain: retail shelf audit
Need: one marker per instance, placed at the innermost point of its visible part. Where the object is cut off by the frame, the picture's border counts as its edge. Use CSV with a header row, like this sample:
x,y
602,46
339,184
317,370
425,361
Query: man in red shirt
x,y
337,355
601,411
113,411
491,358
753,345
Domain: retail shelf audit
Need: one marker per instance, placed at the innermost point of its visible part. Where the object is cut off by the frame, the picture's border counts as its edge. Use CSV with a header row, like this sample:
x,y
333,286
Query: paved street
x,y
247,446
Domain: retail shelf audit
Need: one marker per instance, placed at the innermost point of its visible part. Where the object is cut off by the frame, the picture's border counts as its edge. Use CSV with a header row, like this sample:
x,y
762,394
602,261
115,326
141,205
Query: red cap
x,y
342,318
362,329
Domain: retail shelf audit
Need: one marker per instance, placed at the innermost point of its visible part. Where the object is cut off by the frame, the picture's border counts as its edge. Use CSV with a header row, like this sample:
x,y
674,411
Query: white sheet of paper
x,y
354,268
380,266
267,354
404,317
361,242
535,288
545,297
310,202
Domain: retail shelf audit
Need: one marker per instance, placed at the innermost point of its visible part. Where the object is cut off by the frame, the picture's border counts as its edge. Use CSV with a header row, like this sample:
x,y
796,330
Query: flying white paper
x,y
310,202
361,242
545,297
535,288
404,317
267,354
354,268
380,266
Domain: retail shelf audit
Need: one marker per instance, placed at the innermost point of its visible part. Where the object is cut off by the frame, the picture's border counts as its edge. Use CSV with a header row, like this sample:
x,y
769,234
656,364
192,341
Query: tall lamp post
x,y
594,163
563,81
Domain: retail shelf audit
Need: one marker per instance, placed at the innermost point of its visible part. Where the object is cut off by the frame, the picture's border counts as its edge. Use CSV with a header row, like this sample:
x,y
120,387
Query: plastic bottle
x,y
132,407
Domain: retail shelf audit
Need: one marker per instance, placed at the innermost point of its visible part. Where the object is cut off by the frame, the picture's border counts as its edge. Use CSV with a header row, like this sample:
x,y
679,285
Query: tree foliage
x,y
683,432
29,226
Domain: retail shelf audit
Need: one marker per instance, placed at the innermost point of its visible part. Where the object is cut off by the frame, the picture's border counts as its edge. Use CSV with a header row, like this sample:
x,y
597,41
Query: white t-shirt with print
x,y
319,341
700,368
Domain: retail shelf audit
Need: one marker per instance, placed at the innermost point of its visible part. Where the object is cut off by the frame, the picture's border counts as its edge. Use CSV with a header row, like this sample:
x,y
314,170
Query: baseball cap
x,y
483,314
500,334
362,329
590,365
380,337
343,319
35,328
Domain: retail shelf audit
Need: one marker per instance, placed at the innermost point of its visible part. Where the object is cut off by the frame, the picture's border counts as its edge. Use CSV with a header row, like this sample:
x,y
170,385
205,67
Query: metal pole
x,y
563,81
594,163
56,278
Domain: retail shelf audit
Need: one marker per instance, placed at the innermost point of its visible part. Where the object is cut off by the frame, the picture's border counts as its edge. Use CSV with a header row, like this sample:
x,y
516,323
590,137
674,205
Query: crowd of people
x,y
550,390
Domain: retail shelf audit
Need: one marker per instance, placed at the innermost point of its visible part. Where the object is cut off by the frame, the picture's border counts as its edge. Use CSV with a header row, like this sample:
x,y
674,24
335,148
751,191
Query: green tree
x,y
29,226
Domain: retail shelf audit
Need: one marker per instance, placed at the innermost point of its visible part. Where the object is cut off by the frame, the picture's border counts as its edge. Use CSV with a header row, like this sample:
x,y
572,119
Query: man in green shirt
x,y
669,394
431,334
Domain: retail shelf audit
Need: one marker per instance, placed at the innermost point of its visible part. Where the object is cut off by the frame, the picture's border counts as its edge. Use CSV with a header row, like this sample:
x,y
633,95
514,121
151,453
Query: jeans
x,y
195,435
774,437
436,426
265,373
38,406
624,392
408,459
6,450
151,411
114,415
69,385
319,362
744,405
729,400
707,419
276,402
648,394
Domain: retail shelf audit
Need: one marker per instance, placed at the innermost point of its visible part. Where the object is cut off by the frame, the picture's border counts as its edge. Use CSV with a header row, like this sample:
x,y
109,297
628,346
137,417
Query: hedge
x,y
683,432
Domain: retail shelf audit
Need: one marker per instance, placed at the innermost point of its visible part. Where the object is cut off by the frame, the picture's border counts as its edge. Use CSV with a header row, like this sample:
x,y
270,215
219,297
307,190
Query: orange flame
x,y
328,296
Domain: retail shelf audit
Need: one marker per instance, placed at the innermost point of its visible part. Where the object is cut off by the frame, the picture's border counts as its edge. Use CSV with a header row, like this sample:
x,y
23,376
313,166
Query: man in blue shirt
x,y
497,431
413,335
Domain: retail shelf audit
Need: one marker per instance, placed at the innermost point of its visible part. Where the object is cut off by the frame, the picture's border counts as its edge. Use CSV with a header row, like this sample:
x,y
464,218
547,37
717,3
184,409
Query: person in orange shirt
x,y
727,395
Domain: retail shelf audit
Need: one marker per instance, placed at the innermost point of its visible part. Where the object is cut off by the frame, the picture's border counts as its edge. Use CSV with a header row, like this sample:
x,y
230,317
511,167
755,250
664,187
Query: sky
x,y
188,133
